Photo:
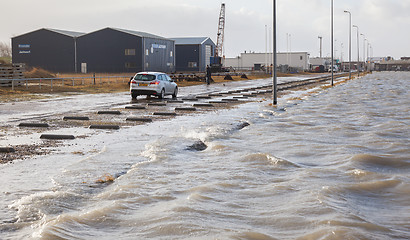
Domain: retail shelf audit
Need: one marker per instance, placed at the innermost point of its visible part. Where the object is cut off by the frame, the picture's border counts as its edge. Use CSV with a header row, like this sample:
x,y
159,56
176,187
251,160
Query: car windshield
x,y
144,77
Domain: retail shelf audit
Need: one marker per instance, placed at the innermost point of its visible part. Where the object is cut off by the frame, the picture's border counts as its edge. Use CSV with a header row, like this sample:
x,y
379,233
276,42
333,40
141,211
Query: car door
x,y
162,84
171,84
166,84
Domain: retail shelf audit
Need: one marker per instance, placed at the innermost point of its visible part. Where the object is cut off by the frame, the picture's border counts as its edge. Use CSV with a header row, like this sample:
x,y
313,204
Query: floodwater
x,y
328,164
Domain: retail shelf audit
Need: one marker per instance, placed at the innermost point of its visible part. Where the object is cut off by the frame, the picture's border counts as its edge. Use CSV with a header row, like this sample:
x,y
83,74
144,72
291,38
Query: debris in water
x,y
197,146
106,178
242,125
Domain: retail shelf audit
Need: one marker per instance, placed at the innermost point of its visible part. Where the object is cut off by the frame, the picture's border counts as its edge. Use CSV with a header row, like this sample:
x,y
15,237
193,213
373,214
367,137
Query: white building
x,y
317,61
250,61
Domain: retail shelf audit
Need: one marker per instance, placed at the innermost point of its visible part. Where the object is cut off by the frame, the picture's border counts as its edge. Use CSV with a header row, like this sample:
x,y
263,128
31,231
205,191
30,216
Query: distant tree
x,y
5,49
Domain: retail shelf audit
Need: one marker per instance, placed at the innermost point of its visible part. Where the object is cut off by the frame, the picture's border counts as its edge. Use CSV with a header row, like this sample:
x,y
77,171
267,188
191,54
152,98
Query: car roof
x,y
151,73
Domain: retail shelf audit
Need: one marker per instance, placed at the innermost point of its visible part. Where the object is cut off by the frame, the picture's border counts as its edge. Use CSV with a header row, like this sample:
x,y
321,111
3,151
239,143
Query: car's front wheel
x,y
174,95
162,94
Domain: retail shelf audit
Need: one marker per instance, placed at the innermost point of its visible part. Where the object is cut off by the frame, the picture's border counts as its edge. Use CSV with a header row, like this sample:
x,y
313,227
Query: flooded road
x,y
325,164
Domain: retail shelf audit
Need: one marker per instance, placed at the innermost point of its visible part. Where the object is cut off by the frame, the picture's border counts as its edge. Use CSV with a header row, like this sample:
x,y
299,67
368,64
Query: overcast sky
x,y
386,23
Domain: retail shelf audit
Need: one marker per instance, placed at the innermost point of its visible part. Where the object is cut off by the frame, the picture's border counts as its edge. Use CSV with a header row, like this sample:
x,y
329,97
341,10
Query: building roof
x,y
139,34
63,32
77,34
190,40
258,53
68,33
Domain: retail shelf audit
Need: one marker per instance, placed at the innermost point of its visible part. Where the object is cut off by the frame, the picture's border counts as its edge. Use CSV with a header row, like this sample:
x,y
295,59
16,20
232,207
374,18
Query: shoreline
x,y
44,147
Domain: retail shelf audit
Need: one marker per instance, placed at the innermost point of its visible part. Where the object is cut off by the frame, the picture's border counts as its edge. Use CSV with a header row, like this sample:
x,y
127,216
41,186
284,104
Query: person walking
x,y
208,75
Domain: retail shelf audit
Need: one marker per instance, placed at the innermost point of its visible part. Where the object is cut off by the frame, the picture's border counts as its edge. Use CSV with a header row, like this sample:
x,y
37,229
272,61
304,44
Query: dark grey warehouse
x,y
51,49
119,50
106,50
193,54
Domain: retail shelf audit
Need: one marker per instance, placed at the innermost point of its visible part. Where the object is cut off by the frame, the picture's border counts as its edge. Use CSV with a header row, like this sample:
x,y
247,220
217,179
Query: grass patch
x,y
5,61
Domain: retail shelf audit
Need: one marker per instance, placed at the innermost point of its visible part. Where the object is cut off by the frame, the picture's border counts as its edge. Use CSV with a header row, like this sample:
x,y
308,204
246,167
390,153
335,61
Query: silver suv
x,y
153,83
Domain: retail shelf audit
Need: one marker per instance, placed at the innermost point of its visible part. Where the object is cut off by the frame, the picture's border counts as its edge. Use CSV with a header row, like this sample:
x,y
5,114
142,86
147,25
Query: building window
x,y
192,64
129,52
146,52
301,58
170,54
130,65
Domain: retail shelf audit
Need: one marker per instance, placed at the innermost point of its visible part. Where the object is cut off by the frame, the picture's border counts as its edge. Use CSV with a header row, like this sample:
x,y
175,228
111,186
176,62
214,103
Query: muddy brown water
x,y
324,164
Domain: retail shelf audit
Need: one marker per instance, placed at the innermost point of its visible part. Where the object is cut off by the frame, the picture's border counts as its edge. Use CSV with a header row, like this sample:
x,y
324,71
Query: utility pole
x,y
368,56
275,88
320,51
358,51
266,48
287,49
350,43
332,39
290,50
270,50
364,51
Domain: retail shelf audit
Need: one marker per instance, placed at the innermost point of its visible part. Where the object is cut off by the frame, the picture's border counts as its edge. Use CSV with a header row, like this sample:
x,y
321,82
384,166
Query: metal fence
x,y
63,82
95,80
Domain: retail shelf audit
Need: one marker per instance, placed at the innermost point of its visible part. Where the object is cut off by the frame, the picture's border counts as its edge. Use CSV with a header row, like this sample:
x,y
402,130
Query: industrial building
x,y
51,49
255,61
119,50
105,50
193,54
393,65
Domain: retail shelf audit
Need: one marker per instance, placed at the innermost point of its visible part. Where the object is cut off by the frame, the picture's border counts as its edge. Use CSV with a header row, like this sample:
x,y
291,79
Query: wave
x,y
156,151
376,187
38,209
36,206
341,230
216,132
380,163
360,173
253,236
78,224
264,159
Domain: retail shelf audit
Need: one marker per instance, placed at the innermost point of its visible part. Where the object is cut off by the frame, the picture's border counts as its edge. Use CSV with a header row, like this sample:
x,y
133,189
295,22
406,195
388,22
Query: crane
x,y
221,31
216,61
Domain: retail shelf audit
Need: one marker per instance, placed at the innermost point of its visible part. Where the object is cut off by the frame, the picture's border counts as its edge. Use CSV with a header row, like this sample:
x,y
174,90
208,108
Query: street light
x,y
320,38
275,89
331,23
364,52
358,52
350,43
371,52
369,45
371,57
364,48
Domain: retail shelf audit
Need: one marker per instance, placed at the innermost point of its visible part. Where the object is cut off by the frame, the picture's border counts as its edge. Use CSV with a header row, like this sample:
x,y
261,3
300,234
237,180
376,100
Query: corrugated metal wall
x,y
109,50
186,56
106,50
159,55
45,49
